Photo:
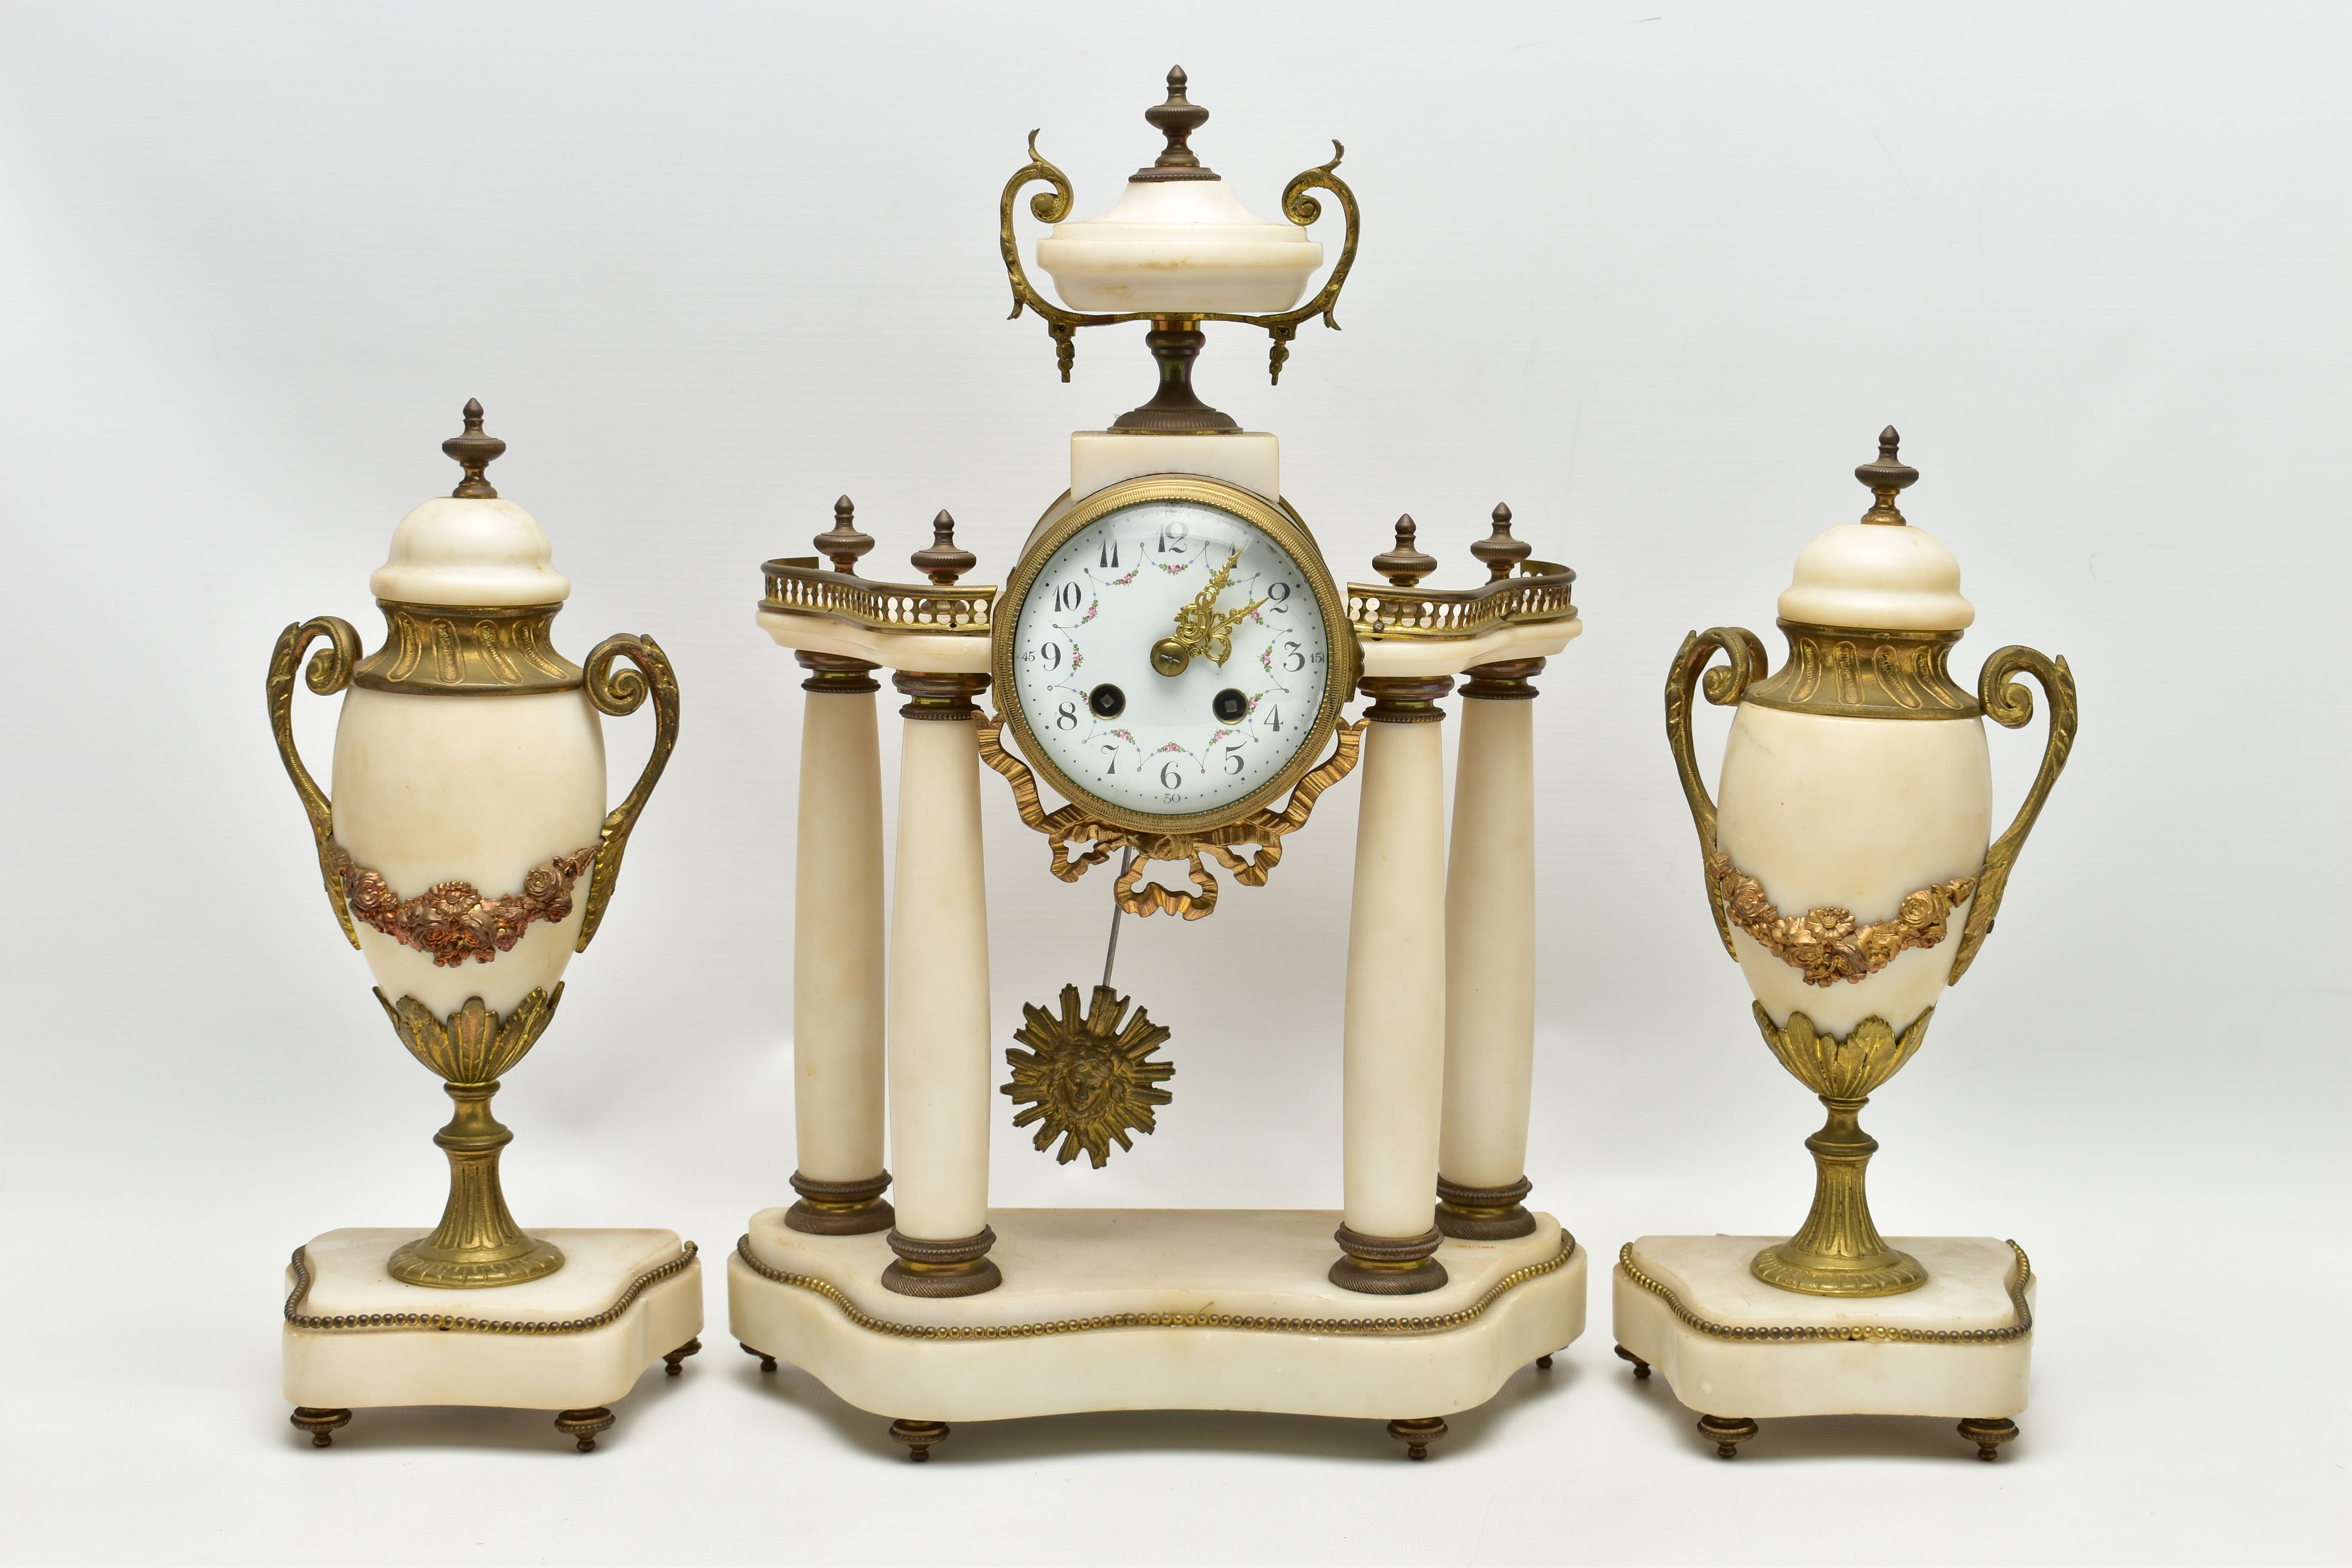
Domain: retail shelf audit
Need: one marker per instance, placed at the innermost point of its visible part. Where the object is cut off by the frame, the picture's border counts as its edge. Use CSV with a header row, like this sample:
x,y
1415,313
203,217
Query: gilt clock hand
x,y
1201,628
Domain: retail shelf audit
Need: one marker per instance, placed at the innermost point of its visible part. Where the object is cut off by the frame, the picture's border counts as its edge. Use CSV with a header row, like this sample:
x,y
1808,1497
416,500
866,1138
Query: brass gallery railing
x,y
800,587
1539,591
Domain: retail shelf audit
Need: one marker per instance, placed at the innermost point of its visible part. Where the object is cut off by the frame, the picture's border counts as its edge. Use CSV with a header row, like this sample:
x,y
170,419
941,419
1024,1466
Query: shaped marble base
x,y
1960,1346
1155,1309
572,1342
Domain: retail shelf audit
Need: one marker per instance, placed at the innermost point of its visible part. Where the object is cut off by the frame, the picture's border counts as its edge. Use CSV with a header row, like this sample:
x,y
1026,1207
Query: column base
x,y
937,1269
840,1208
1736,1348
575,1341
1388,1265
1483,1213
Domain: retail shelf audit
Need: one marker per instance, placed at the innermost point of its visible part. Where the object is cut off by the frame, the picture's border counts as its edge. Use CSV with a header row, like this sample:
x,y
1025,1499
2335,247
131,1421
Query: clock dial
x,y
1171,658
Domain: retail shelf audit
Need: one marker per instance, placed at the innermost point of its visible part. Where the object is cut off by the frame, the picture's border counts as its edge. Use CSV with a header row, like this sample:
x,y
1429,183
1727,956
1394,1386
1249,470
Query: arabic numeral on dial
x,y
1172,535
1052,654
1273,718
1316,659
1170,776
1293,660
1277,598
1066,717
1068,596
1109,559
1233,759
1112,752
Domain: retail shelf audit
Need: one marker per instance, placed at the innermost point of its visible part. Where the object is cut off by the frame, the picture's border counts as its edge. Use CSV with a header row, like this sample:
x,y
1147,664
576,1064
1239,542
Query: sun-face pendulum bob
x,y
469,761
938,1047
1087,1077
1178,249
1850,845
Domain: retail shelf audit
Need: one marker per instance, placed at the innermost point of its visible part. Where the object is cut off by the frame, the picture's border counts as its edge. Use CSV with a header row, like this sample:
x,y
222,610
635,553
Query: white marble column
x,y
1395,1029
939,1065
837,955
1490,959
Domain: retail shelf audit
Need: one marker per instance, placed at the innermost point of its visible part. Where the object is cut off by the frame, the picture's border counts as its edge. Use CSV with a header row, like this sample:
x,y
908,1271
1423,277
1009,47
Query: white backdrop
x,y
1656,274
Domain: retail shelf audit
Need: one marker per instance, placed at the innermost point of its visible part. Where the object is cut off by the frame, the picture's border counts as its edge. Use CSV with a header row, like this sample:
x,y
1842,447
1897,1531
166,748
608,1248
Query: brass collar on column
x,y
1405,699
938,696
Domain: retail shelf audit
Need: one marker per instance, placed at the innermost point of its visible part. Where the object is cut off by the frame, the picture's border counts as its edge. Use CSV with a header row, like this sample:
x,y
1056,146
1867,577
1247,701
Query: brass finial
x,y
1886,478
1498,549
474,451
943,563
842,543
1404,565
1177,120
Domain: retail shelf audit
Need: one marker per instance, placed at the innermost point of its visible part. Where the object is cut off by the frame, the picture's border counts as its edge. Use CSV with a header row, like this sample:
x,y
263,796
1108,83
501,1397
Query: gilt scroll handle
x,y
330,671
2011,706
621,692
1748,664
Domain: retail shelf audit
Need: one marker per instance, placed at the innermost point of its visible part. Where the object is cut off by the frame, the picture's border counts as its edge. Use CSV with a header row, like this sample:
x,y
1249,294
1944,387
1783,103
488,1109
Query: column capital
x,y
1405,699
938,696
837,674
1505,681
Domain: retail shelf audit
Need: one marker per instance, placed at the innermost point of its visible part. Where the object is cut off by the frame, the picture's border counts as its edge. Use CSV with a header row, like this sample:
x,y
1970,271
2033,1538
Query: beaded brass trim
x,y
1866,674
1542,591
1874,1332
1827,943
300,1263
1364,1326
452,922
436,649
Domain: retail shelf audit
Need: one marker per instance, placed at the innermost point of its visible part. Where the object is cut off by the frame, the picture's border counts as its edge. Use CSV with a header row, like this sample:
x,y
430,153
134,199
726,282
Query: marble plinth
x,y
1155,1309
352,1338
1960,1346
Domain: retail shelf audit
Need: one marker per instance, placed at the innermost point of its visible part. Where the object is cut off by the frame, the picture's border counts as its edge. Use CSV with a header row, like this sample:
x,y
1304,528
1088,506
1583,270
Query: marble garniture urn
x,y
467,849
1850,861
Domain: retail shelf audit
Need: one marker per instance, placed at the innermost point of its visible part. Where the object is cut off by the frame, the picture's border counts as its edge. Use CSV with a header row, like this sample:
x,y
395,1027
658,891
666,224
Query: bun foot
x,y
1640,1367
1989,1434
1728,1432
320,1423
919,1437
582,1425
1543,1364
1417,1435
691,1347
767,1362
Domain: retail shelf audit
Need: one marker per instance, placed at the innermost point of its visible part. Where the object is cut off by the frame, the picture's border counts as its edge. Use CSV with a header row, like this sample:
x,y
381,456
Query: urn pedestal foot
x,y
919,1437
1726,1433
673,1358
575,1341
1156,1309
583,1426
1640,1367
1418,1434
767,1362
1960,1346
1543,1364
321,1424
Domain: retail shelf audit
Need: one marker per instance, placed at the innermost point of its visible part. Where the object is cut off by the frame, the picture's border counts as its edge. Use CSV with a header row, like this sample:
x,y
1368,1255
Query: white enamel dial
x,y
1206,737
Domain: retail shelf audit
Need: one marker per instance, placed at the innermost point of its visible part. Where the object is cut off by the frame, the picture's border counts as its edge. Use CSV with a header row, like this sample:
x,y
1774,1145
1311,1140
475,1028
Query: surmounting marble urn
x,y
1850,861
467,848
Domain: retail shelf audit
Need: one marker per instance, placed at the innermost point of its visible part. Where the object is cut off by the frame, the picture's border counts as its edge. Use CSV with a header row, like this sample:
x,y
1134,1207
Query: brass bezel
x,y
1281,524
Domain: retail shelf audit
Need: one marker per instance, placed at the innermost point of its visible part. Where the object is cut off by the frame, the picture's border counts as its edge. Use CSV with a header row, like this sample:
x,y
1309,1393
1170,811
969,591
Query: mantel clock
x,y
1170,663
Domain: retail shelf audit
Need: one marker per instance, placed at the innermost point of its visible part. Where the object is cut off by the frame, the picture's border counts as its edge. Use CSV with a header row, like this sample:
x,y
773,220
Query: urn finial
x,y
1498,551
944,562
843,544
1404,565
1886,478
1177,120
474,451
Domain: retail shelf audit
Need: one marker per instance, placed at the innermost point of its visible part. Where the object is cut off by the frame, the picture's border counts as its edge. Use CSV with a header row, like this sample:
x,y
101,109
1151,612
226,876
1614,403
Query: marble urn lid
x,y
1879,573
469,547
1179,242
